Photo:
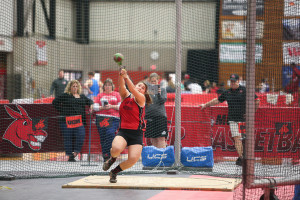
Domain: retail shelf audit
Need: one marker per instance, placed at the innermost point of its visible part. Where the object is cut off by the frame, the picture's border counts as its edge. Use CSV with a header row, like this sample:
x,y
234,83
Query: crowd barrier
x,y
276,129
266,99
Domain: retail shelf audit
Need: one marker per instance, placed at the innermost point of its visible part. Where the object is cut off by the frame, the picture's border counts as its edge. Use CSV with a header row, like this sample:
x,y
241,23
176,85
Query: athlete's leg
x,y
134,154
118,145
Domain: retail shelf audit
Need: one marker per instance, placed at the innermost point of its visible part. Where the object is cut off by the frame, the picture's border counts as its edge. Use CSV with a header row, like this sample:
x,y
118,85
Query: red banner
x,y
277,130
34,128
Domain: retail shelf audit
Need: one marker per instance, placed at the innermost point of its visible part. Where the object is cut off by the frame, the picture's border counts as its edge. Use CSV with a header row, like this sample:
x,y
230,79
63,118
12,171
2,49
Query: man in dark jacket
x,y
59,85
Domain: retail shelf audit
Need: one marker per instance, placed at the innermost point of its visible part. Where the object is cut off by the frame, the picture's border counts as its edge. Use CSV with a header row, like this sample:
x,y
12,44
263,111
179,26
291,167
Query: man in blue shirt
x,y
92,86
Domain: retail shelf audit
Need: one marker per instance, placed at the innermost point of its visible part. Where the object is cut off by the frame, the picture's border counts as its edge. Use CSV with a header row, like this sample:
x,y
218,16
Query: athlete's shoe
x,y
71,158
107,164
239,161
113,177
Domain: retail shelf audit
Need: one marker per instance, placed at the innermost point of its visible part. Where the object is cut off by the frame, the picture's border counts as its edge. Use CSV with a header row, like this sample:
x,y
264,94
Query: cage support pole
x,y
178,47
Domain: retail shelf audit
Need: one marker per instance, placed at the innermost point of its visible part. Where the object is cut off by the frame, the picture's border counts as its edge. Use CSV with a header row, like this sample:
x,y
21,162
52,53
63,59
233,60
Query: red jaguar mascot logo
x,y
21,130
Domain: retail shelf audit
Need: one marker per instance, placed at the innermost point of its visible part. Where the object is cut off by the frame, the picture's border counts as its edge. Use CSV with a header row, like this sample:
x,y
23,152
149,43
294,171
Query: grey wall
x,y
134,29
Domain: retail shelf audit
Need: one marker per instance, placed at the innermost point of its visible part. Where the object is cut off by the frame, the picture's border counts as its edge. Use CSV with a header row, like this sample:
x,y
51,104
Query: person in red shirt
x,y
214,88
106,105
293,87
132,112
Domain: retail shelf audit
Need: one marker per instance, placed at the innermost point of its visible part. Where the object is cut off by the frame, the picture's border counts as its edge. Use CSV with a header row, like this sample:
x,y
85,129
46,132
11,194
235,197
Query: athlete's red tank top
x,y
131,114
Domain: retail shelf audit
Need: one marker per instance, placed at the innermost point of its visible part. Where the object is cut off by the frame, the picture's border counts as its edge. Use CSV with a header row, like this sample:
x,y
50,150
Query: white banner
x,y
291,52
6,25
41,53
236,53
239,7
237,29
291,8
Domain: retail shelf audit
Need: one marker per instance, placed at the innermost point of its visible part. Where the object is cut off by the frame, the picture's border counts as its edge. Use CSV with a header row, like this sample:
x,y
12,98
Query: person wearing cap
x,y
186,82
236,100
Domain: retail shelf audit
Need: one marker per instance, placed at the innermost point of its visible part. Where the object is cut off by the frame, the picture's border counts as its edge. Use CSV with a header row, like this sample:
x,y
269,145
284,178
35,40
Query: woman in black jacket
x,y
71,106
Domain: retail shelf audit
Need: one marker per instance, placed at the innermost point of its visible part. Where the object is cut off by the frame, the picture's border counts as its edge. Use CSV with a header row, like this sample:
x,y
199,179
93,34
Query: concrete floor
x,y
50,189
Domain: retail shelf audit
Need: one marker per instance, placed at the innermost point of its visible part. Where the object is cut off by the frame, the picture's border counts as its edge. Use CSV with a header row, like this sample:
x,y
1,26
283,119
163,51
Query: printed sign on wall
x,y
236,53
237,29
41,53
291,8
291,52
291,29
239,7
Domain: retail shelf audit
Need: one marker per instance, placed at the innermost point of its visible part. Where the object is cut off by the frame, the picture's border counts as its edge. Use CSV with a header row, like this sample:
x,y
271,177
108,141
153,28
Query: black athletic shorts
x,y
131,136
156,127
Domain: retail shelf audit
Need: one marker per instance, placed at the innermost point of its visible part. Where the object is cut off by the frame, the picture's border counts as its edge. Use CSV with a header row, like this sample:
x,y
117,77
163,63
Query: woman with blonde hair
x,y
207,86
71,106
132,112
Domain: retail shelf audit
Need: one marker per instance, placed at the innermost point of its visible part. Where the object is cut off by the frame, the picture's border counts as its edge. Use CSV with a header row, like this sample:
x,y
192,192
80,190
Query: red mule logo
x,y
21,130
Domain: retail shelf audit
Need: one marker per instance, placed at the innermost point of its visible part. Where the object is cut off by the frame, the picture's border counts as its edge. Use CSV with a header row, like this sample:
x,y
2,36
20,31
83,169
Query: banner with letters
x,y
236,53
278,136
291,8
237,29
239,7
277,130
41,53
291,52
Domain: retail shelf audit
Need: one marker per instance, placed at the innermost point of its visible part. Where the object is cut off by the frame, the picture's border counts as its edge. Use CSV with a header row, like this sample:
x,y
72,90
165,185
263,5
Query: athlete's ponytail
x,y
148,98
147,95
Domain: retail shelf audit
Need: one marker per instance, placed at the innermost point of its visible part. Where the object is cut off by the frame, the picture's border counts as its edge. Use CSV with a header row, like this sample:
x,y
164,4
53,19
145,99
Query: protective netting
x,y
46,44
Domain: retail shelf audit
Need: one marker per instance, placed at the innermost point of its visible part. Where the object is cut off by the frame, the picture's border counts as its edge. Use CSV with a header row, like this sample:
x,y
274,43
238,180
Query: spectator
x,y
71,105
293,86
296,192
163,82
236,99
182,85
206,87
264,86
156,114
242,81
171,86
195,88
107,116
214,88
58,85
186,82
92,86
